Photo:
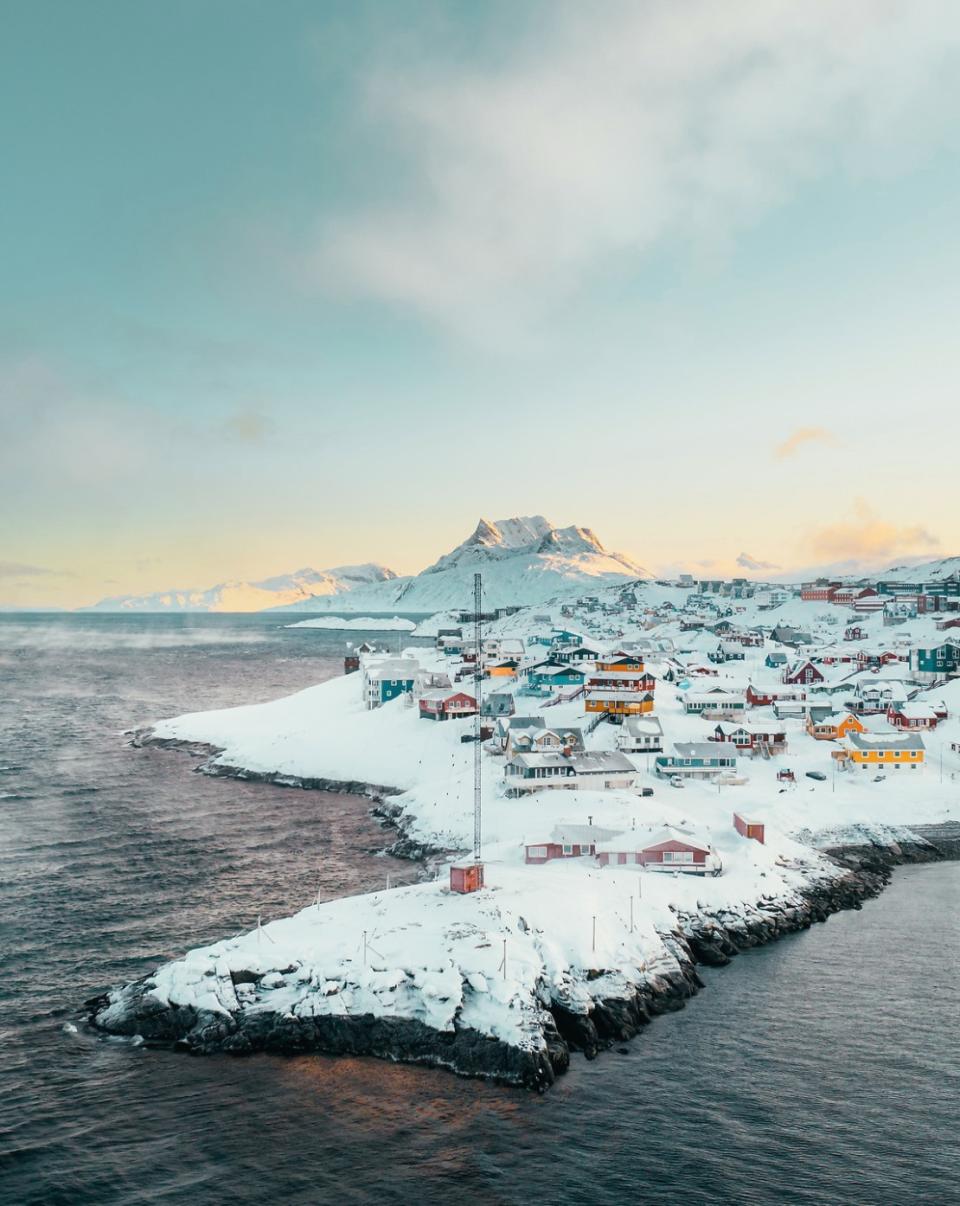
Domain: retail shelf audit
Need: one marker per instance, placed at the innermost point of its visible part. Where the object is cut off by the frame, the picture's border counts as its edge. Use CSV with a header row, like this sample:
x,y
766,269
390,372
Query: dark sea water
x,y
822,1069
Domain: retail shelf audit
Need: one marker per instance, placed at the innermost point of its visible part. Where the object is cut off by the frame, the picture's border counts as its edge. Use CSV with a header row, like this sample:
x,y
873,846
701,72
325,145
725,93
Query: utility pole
x,y
477,726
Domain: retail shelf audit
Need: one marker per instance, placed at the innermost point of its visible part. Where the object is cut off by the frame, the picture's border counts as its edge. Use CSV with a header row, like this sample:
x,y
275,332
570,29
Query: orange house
x,y
834,726
619,703
624,662
502,669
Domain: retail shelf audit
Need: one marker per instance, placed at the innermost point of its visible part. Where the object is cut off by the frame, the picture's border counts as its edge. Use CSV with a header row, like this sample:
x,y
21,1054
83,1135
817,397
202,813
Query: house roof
x,y
567,832
884,741
641,725
671,834
393,668
699,749
438,694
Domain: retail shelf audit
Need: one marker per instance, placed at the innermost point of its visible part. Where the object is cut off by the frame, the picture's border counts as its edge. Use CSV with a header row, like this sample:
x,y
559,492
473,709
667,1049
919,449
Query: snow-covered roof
x,y
699,749
884,741
567,832
641,725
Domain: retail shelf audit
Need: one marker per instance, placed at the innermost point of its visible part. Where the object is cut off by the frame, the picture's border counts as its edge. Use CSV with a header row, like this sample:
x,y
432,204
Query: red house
x,y
568,841
913,716
847,595
760,696
802,674
748,829
669,850
819,592
440,704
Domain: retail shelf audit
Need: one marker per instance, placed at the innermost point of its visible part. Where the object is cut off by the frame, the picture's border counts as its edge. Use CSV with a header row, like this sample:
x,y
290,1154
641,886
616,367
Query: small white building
x,y
640,735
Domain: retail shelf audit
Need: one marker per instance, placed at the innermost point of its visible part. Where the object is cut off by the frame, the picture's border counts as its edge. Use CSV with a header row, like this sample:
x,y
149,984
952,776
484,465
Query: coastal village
x,y
752,692
665,768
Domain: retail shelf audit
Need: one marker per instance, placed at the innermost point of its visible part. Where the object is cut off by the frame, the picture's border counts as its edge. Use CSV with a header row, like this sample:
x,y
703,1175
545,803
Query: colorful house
x,y
695,760
627,680
802,674
440,704
762,695
573,653
617,702
568,840
765,740
669,850
387,678
936,661
552,675
834,726
912,715
876,751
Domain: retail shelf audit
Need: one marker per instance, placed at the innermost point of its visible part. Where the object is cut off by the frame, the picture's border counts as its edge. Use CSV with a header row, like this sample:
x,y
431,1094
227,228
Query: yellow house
x,y
619,703
877,751
834,726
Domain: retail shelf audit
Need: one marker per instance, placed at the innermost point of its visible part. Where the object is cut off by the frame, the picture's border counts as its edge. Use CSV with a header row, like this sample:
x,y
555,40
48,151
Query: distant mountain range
x,y
286,590
524,560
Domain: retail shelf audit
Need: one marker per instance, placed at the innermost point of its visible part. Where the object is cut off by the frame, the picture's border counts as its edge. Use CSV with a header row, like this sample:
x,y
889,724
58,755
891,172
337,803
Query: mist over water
x,y
823,1069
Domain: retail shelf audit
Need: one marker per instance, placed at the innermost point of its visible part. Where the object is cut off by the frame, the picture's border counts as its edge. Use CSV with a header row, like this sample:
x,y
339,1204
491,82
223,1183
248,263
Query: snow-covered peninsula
x,y
581,949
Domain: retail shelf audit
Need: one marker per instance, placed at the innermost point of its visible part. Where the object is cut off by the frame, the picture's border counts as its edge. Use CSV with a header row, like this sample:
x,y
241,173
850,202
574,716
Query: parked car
x,y
818,775
676,781
646,791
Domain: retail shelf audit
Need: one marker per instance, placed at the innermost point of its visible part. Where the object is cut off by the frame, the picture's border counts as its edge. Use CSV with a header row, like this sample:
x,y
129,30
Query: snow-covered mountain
x,y
524,560
300,587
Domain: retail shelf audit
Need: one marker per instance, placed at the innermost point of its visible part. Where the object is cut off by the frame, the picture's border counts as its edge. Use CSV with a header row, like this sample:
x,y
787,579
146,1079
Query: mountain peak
x,y
571,540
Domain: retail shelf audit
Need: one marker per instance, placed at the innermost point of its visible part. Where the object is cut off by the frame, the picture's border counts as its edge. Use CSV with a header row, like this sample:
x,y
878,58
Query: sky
x,y
316,283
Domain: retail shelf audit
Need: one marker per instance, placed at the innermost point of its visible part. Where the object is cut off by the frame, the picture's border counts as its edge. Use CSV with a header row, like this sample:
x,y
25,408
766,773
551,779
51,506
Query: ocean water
x,y
822,1069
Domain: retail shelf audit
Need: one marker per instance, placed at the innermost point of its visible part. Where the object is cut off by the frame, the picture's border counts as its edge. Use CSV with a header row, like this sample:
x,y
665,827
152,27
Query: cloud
x,y
612,127
800,438
867,537
745,561
17,569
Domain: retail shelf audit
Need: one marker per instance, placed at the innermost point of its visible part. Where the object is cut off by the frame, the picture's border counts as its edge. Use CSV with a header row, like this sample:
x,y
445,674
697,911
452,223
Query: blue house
x,y
555,675
775,660
387,679
695,760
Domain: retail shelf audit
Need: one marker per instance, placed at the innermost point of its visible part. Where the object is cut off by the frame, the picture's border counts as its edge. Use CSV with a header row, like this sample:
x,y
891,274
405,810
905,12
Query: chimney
x,y
589,820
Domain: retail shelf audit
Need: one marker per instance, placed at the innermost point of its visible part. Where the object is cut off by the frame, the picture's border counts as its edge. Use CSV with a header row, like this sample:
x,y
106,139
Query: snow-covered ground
x,y
427,954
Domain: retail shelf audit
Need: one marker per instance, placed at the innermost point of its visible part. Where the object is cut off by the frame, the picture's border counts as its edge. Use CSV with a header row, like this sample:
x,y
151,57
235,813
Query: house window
x,y
568,850
537,852
678,856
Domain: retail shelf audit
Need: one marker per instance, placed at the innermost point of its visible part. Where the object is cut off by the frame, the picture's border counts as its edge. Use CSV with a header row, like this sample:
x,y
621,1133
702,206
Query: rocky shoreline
x,y
616,1010
390,816
614,1015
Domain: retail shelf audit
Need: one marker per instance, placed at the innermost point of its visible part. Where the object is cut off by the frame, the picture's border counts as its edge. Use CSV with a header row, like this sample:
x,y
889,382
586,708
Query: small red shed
x,y
748,829
351,663
466,877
